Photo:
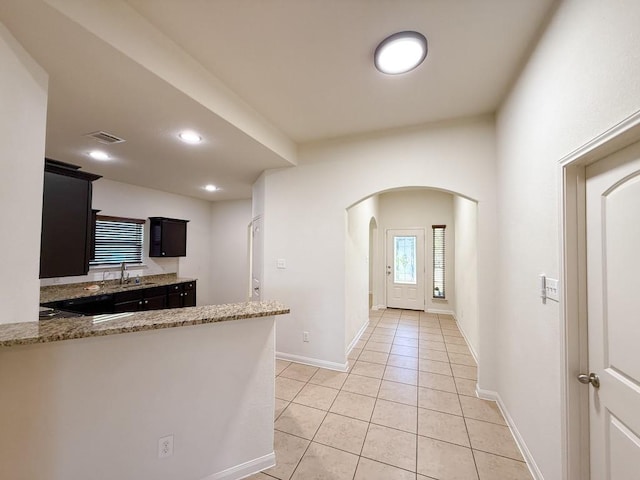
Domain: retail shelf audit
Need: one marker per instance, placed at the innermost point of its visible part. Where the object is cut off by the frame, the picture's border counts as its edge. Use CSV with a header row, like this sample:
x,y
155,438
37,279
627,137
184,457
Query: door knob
x,y
592,378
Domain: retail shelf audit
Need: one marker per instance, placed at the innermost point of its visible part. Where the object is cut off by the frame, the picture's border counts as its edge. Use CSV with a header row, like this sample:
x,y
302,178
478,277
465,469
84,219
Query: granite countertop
x,y
45,331
55,293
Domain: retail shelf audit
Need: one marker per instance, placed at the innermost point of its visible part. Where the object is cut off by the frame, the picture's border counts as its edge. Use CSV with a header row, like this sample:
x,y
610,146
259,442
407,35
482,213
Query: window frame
x,y
137,243
439,262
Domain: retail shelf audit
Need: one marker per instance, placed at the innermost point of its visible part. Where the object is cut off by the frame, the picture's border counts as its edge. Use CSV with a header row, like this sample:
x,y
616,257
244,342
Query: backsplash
x,y
157,266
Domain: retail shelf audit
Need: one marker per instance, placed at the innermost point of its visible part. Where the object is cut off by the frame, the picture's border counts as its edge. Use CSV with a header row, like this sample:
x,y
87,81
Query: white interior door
x,y
613,287
256,259
405,269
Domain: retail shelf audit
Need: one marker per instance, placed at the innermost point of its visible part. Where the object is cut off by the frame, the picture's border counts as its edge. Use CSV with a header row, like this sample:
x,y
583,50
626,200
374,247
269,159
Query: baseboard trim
x,y
357,337
524,450
314,362
245,469
466,339
379,307
441,311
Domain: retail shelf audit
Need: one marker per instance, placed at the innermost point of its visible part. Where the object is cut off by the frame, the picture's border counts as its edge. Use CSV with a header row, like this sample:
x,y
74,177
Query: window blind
x,y
118,240
438,261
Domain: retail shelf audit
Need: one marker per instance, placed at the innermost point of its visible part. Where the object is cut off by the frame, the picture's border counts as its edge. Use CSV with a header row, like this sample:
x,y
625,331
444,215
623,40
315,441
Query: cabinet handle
x,y
146,301
182,294
140,302
186,294
163,253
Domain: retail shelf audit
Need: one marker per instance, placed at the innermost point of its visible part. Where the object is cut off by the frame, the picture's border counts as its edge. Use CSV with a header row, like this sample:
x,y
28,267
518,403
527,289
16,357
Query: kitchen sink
x,y
141,284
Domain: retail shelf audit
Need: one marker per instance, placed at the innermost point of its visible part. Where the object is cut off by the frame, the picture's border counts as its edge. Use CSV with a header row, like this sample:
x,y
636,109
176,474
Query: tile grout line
x,y
393,334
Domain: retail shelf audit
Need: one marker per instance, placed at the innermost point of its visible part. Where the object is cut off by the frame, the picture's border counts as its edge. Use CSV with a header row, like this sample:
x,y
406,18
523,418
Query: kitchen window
x,y
118,240
438,261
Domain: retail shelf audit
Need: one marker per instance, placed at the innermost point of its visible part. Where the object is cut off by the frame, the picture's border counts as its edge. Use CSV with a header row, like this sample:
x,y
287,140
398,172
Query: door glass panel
x,y
404,254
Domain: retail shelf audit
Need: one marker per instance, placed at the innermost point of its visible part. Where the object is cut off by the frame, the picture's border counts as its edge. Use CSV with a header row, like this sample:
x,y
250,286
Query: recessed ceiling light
x,y
189,136
401,52
99,155
210,188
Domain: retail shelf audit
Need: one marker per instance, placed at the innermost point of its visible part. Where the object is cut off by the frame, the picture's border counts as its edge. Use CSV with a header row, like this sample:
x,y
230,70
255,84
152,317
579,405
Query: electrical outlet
x,y
165,446
305,336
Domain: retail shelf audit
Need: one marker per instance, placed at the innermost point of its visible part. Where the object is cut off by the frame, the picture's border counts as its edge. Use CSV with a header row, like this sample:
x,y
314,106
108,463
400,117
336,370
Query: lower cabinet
x,y
154,298
135,300
181,295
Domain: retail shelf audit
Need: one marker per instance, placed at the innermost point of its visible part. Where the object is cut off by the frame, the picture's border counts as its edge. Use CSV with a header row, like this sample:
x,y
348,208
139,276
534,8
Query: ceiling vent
x,y
104,137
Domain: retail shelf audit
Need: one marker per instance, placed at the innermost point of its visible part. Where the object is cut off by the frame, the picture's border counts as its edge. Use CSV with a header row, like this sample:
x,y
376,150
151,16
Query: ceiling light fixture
x,y
99,155
400,52
189,136
210,188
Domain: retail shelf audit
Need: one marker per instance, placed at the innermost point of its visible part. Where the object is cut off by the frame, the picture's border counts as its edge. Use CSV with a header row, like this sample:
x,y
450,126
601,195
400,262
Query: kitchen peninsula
x,y
92,397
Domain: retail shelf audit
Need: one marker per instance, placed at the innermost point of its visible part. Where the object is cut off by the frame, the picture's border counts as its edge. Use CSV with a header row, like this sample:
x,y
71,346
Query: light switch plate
x,y
281,263
552,289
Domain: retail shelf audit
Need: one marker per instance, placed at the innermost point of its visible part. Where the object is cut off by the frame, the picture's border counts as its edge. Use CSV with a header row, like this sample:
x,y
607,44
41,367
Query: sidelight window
x,y
438,261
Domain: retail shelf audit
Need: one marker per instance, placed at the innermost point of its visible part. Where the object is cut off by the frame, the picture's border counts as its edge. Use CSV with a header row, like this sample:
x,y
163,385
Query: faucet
x,y
124,276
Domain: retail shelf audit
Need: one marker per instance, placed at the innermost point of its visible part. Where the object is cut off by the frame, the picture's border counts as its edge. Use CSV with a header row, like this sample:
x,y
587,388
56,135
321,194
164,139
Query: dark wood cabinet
x,y
154,298
155,303
168,237
134,300
181,295
128,306
65,243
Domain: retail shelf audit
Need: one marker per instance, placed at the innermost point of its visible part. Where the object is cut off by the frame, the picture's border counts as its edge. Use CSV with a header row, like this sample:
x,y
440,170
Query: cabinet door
x,y
174,238
174,300
189,298
154,303
66,213
129,306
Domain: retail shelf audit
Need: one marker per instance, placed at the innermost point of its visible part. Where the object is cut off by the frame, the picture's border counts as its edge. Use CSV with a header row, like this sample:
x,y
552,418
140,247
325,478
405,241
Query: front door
x,y
613,288
405,269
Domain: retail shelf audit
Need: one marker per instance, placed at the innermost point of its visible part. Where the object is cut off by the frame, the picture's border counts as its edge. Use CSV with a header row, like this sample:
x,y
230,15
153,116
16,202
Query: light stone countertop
x,y
55,293
45,331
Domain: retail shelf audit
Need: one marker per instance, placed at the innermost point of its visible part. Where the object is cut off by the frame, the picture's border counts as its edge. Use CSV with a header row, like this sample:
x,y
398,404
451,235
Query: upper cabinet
x,y
168,237
66,238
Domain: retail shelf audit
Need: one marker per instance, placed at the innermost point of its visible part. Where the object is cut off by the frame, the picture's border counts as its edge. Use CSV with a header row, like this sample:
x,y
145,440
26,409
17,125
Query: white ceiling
x,y
247,74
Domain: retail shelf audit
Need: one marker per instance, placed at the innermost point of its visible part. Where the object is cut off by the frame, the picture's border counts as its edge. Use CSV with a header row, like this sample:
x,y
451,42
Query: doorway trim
x,y
573,304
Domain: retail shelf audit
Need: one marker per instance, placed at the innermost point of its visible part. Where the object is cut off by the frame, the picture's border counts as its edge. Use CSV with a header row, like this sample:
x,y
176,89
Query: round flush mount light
x,y
401,52
189,136
99,155
210,188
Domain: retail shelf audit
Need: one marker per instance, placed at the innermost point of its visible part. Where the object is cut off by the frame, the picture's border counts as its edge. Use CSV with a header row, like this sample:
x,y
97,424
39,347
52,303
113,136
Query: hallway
x,y
406,410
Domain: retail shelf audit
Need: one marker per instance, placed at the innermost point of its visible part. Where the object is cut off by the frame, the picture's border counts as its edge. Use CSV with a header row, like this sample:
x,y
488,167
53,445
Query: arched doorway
x,y
370,221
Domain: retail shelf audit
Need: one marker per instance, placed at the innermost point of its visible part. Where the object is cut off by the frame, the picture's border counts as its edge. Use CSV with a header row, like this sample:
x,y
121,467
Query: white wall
x,y
23,113
422,209
357,257
125,200
581,80
95,408
466,269
304,214
229,251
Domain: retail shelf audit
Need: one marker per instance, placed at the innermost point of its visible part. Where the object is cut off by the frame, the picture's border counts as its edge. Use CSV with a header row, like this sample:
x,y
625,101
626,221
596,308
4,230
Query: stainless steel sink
x,y
141,284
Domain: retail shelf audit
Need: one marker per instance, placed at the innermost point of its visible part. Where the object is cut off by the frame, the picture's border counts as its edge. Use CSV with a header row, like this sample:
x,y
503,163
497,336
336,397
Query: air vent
x,y
106,138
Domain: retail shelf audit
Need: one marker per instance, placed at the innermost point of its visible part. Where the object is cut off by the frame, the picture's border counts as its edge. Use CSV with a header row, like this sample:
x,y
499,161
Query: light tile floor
x,y
406,410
